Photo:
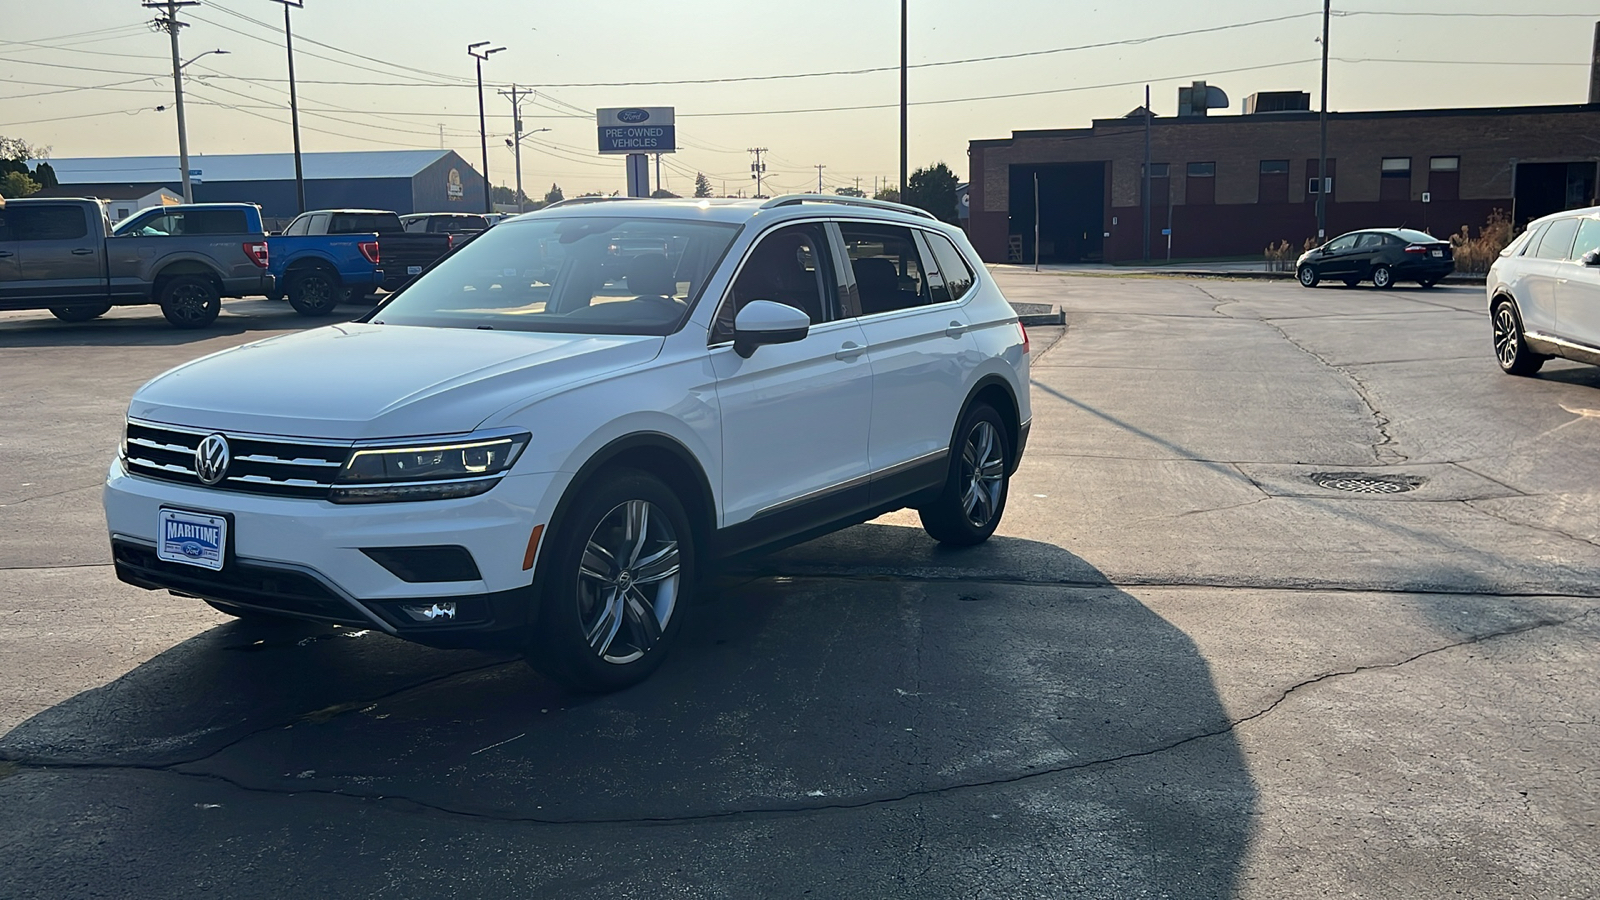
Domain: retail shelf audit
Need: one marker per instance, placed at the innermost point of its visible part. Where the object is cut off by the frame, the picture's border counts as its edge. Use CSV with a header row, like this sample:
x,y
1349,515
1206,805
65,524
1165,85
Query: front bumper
x,y
304,558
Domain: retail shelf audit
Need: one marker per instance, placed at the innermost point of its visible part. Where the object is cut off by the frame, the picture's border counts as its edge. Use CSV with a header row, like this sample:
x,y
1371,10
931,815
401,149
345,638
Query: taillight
x,y
1417,248
449,242
257,251
1024,338
369,249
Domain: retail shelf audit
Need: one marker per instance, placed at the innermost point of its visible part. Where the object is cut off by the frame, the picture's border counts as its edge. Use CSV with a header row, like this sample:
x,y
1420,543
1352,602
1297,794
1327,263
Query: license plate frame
x,y
413,270
192,546
1436,254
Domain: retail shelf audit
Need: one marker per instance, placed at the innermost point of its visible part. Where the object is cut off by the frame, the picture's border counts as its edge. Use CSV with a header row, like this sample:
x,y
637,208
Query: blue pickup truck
x,y
327,256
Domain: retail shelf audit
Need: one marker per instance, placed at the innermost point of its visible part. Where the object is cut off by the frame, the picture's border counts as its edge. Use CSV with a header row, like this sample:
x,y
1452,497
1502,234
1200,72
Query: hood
x,y
355,382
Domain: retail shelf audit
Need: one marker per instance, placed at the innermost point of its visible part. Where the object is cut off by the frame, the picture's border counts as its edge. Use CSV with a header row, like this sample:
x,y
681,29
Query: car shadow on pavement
x,y
898,734
145,326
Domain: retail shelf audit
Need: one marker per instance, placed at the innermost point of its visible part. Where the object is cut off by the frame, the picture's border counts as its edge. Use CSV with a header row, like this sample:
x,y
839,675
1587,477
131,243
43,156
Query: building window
x,y
1158,170
1201,187
1202,170
1444,179
1444,164
1274,181
1396,182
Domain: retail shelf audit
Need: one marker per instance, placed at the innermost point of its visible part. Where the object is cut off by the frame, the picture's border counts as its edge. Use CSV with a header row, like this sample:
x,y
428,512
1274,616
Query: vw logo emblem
x,y
211,459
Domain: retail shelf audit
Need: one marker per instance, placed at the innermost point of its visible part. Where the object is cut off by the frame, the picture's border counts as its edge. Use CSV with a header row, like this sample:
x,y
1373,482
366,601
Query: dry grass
x,y
1476,254
1281,257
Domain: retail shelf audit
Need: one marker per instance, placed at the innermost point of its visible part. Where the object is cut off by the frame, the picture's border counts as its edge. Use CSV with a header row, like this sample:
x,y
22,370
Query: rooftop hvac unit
x,y
1199,97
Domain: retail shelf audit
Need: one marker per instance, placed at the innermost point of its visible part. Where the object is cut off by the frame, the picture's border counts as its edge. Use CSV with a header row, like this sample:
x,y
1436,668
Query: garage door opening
x,y
1072,212
1545,188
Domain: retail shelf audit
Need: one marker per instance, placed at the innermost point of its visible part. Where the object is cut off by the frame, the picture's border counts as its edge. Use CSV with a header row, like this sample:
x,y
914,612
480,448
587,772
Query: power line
x,y
273,28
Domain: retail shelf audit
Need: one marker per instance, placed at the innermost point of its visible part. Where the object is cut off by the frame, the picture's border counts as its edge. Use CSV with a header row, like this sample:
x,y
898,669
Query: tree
x,y
663,194
554,195
502,194
17,184
888,193
848,191
933,189
702,185
45,175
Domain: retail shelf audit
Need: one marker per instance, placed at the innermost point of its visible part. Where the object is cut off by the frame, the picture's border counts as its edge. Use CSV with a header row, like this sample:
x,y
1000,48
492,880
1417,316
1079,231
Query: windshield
x,y
583,275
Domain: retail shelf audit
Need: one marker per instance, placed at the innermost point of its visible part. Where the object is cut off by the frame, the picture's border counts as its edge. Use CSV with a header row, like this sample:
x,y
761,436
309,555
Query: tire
x,y
1382,277
190,301
1510,347
1428,282
315,293
975,491
1308,276
80,313
611,606
1351,282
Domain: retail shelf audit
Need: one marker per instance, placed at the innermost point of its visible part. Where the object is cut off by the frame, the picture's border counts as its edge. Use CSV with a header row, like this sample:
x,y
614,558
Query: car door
x,y
60,251
10,269
1336,259
1577,288
1367,254
796,416
920,347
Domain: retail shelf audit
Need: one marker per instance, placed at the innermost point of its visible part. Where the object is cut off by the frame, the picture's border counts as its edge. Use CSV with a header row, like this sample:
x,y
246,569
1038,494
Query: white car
x,y
1544,293
546,440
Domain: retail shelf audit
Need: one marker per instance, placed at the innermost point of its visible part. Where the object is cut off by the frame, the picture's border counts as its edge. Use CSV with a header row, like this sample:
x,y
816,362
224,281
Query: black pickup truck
x,y
401,254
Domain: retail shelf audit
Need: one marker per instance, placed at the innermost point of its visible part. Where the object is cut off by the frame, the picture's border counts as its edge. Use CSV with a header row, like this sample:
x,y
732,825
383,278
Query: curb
x,y
1275,276
1058,317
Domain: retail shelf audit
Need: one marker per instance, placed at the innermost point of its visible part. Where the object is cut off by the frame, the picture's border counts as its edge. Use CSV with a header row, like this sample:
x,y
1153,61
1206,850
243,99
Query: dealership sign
x,y
637,129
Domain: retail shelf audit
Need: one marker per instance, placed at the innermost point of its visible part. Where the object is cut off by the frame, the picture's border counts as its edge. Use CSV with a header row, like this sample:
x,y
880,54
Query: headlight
x,y
437,470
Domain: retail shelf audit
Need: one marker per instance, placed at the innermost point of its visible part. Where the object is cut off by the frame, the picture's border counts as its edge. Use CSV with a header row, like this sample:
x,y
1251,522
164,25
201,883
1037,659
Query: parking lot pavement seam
x,y
814,809
1462,465
96,483
104,565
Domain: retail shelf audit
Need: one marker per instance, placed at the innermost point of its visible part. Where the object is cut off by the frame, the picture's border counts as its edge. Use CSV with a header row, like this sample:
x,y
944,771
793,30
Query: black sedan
x,y
1382,256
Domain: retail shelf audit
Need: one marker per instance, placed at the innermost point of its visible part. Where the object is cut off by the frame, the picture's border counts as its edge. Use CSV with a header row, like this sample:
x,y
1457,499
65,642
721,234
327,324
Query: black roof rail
x,y
797,199
577,201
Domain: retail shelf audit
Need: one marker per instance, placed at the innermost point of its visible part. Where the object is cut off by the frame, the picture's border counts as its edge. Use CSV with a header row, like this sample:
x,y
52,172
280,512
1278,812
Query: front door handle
x,y
6,253
955,330
850,351
81,252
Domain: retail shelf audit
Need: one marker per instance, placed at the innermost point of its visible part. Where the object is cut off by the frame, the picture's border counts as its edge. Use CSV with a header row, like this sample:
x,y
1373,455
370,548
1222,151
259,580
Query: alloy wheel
x,y
628,581
983,471
190,302
1505,336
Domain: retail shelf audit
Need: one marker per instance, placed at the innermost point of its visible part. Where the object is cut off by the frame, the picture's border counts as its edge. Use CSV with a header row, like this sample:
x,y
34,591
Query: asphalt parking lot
x,y
1186,666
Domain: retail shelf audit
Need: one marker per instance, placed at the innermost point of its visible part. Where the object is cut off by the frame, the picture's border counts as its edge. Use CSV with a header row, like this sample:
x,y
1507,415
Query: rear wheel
x,y
80,313
974,495
315,293
1510,347
1382,278
619,574
1308,276
190,301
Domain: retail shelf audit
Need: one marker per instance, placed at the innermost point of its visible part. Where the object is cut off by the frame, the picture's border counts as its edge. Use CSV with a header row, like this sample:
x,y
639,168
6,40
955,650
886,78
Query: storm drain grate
x,y
1361,483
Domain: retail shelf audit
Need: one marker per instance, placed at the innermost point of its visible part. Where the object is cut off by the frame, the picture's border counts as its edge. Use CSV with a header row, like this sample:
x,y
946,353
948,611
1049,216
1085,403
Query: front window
x,y
575,275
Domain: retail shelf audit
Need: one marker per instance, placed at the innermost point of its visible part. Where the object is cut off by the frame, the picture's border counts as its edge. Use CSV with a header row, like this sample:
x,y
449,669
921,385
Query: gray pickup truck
x,y
62,255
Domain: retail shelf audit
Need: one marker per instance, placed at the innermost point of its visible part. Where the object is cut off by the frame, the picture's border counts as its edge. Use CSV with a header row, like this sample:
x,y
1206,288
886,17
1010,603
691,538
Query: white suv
x,y
544,440
1544,293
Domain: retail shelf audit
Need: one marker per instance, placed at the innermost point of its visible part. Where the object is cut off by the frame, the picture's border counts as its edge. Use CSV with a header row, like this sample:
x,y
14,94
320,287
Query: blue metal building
x,y
402,180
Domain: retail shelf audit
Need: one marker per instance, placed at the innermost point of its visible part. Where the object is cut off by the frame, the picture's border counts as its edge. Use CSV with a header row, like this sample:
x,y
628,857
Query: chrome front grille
x,y
284,467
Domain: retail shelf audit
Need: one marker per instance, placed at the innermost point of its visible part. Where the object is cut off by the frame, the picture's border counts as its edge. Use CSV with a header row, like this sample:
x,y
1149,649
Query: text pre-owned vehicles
x,y
62,255
1382,256
1544,293
490,457
328,255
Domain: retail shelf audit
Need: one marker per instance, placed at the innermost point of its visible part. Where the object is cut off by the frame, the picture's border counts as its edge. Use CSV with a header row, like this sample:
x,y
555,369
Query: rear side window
x,y
47,223
957,275
365,223
1557,240
890,273
215,221
415,226
1370,240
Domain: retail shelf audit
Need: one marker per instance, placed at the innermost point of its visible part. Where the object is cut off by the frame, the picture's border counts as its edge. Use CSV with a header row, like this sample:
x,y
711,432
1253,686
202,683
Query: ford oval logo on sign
x,y
633,116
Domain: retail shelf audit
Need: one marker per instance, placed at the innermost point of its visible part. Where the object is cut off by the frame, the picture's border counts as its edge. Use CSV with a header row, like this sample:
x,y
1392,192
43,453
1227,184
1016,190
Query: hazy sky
x,y
238,102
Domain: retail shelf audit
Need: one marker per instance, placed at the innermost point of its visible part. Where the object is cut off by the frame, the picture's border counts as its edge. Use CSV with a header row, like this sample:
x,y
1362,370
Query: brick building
x,y
1230,185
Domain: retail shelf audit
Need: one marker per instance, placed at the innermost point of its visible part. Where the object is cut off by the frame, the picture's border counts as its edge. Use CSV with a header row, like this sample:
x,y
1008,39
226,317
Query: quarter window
x,y
1557,239
953,268
889,272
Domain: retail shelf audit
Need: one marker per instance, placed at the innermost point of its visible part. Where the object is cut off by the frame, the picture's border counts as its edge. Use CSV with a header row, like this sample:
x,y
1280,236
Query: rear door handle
x,y
81,252
955,330
5,253
850,351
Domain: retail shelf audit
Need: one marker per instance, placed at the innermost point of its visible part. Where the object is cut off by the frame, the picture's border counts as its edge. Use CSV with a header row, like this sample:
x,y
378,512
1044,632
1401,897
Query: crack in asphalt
x,y
1547,529
80,487
783,811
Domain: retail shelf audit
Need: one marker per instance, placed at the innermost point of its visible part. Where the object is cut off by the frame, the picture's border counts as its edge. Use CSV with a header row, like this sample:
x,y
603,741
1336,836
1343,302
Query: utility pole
x,y
858,184
170,24
294,107
483,128
1322,159
820,167
441,135
903,69
1148,114
659,185
516,136
758,169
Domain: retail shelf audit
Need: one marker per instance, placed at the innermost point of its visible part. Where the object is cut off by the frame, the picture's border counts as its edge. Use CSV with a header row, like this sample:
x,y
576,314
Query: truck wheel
x,y
80,313
315,293
190,301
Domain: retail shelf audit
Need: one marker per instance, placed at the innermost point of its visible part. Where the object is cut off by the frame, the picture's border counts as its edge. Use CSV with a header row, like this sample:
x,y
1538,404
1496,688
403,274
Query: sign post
x,y
636,132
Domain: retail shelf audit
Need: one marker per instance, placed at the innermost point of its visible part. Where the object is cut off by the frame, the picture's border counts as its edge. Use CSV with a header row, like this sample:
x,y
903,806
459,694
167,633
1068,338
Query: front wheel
x,y
190,301
614,587
1309,276
1510,347
974,495
315,293
1383,278
80,313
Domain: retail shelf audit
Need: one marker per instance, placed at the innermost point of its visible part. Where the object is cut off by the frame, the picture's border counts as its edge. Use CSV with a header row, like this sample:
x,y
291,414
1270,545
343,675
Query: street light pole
x,y
1322,159
171,25
483,128
294,108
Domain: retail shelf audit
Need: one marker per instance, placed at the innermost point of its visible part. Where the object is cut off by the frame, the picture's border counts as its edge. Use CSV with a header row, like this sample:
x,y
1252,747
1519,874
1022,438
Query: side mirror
x,y
1592,258
765,322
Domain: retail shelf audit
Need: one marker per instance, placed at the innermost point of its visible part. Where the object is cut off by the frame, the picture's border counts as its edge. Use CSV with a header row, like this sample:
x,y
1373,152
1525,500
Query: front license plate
x,y
191,538
413,270
1438,253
